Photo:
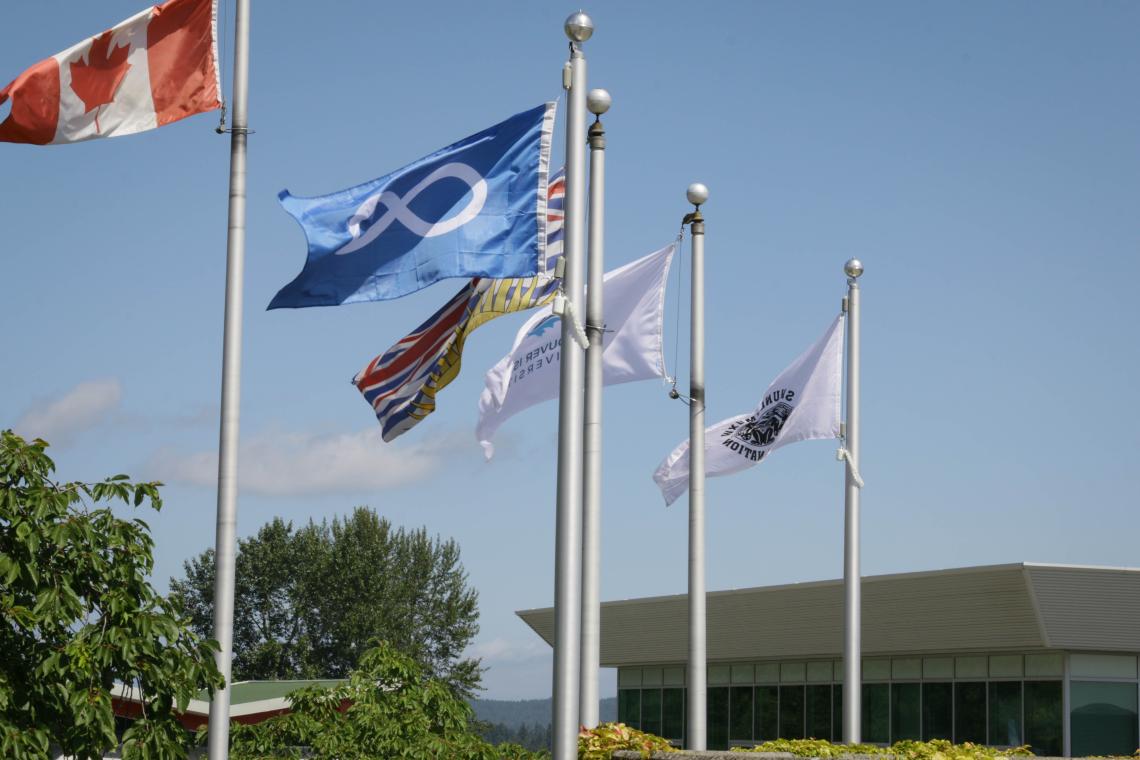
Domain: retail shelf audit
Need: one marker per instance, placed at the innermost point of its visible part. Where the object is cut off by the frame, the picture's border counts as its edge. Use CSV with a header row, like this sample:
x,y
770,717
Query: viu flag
x,y
472,209
634,296
801,404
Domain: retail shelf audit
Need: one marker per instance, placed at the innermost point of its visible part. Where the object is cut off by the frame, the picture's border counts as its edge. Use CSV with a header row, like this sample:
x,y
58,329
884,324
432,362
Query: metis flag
x,y
157,67
401,384
472,209
801,404
634,296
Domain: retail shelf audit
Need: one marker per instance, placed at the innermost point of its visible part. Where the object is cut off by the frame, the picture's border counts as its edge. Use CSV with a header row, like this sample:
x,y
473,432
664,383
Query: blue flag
x,y
471,209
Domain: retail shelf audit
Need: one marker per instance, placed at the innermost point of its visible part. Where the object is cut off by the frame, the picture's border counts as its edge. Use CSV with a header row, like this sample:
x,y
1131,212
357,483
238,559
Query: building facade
x,y
1005,655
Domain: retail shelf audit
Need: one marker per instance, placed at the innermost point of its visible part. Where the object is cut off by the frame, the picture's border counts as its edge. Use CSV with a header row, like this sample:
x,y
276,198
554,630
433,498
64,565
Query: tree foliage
x,y
388,708
80,616
308,600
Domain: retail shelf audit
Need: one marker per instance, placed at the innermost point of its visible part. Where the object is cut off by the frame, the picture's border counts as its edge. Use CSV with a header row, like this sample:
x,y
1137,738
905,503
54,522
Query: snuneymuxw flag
x,y
157,67
472,209
401,384
801,404
634,296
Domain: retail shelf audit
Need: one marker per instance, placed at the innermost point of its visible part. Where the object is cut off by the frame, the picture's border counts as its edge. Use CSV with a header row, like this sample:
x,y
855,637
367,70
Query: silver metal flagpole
x,y
219,742
568,530
853,618
598,101
697,692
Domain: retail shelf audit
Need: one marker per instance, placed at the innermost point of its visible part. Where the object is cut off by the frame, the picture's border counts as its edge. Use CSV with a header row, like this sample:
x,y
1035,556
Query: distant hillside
x,y
516,713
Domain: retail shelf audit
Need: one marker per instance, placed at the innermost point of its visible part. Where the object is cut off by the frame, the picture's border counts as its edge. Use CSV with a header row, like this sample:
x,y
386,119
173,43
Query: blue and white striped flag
x,y
472,209
401,384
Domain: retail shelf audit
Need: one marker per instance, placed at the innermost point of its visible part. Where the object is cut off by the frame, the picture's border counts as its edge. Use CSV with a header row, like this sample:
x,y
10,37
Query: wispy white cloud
x,y
500,650
514,669
58,420
279,464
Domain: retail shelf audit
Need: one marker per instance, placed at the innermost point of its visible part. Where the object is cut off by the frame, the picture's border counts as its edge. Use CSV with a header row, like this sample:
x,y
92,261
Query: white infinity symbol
x,y
397,209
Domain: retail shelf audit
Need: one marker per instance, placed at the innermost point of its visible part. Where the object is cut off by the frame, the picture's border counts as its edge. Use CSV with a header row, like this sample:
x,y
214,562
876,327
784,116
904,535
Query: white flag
x,y
800,405
635,314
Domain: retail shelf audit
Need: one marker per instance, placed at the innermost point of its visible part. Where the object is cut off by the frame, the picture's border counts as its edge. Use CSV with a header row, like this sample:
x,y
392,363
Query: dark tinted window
x,y
767,712
876,712
905,711
819,712
1005,713
970,712
672,713
740,713
629,707
791,712
1043,717
716,710
937,711
651,711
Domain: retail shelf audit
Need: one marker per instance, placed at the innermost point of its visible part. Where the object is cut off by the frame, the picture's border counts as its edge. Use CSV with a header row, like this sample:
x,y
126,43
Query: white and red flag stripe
x,y
157,67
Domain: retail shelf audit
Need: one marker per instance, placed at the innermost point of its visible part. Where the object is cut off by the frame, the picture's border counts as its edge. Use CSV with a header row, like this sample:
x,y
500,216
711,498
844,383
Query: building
x,y
1044,655
250,702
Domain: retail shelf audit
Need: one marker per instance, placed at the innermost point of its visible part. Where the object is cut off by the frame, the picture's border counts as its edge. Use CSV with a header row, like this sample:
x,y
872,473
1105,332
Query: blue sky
x,y
980,158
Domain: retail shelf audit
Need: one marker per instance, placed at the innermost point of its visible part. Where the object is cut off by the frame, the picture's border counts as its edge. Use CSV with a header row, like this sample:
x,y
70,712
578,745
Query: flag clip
x,y
844,455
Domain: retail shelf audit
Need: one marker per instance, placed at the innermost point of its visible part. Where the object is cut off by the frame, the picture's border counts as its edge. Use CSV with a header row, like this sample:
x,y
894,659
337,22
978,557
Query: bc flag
x,y
471,209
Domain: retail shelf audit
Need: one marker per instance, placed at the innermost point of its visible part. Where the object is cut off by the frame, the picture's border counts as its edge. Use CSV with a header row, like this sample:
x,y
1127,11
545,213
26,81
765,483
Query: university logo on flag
x,y
401,384
471,209
157,67
801,404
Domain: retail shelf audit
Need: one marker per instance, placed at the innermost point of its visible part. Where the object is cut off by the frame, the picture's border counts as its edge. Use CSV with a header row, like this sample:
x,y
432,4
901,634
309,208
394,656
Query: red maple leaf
x,y
96,79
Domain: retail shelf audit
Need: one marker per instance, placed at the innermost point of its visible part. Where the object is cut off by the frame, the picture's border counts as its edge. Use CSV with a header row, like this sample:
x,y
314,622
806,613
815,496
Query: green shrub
x,y
600,743
935,749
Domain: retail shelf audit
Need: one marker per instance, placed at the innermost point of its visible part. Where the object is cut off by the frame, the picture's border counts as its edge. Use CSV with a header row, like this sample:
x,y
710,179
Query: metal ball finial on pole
x,y
697,194
579,27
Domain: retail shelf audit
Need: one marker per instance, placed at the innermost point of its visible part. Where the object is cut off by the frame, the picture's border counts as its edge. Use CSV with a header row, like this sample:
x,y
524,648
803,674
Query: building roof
x,y
1021,606
242,692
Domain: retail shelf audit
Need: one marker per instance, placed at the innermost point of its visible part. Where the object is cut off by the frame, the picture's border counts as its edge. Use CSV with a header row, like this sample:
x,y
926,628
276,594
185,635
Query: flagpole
x,y
852,639
697,194
598,101
219,731
568,529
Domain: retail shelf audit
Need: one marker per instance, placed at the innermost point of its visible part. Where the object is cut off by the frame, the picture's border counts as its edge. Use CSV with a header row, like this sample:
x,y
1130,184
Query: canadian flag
x,y
157,67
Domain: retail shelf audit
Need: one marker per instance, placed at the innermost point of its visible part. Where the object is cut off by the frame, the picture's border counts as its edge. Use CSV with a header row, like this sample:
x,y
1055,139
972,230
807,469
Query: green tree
x,y
389,707
308,601
80,616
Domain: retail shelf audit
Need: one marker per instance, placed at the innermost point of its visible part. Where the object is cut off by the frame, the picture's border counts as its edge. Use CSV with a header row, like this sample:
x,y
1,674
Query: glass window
x,y
768,672
1102,666
937,711
673,677
716,718
819,671
1005,713
651,711
1043,716
877,712
791,712
970,667
792,672
767,712
970,712
629,707
1005,666
651,676
742,674
672,713
1044,665
837,713
819,711
718,674
938,667
906,716
740,713
876,670
906,667
629,677
1103,718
